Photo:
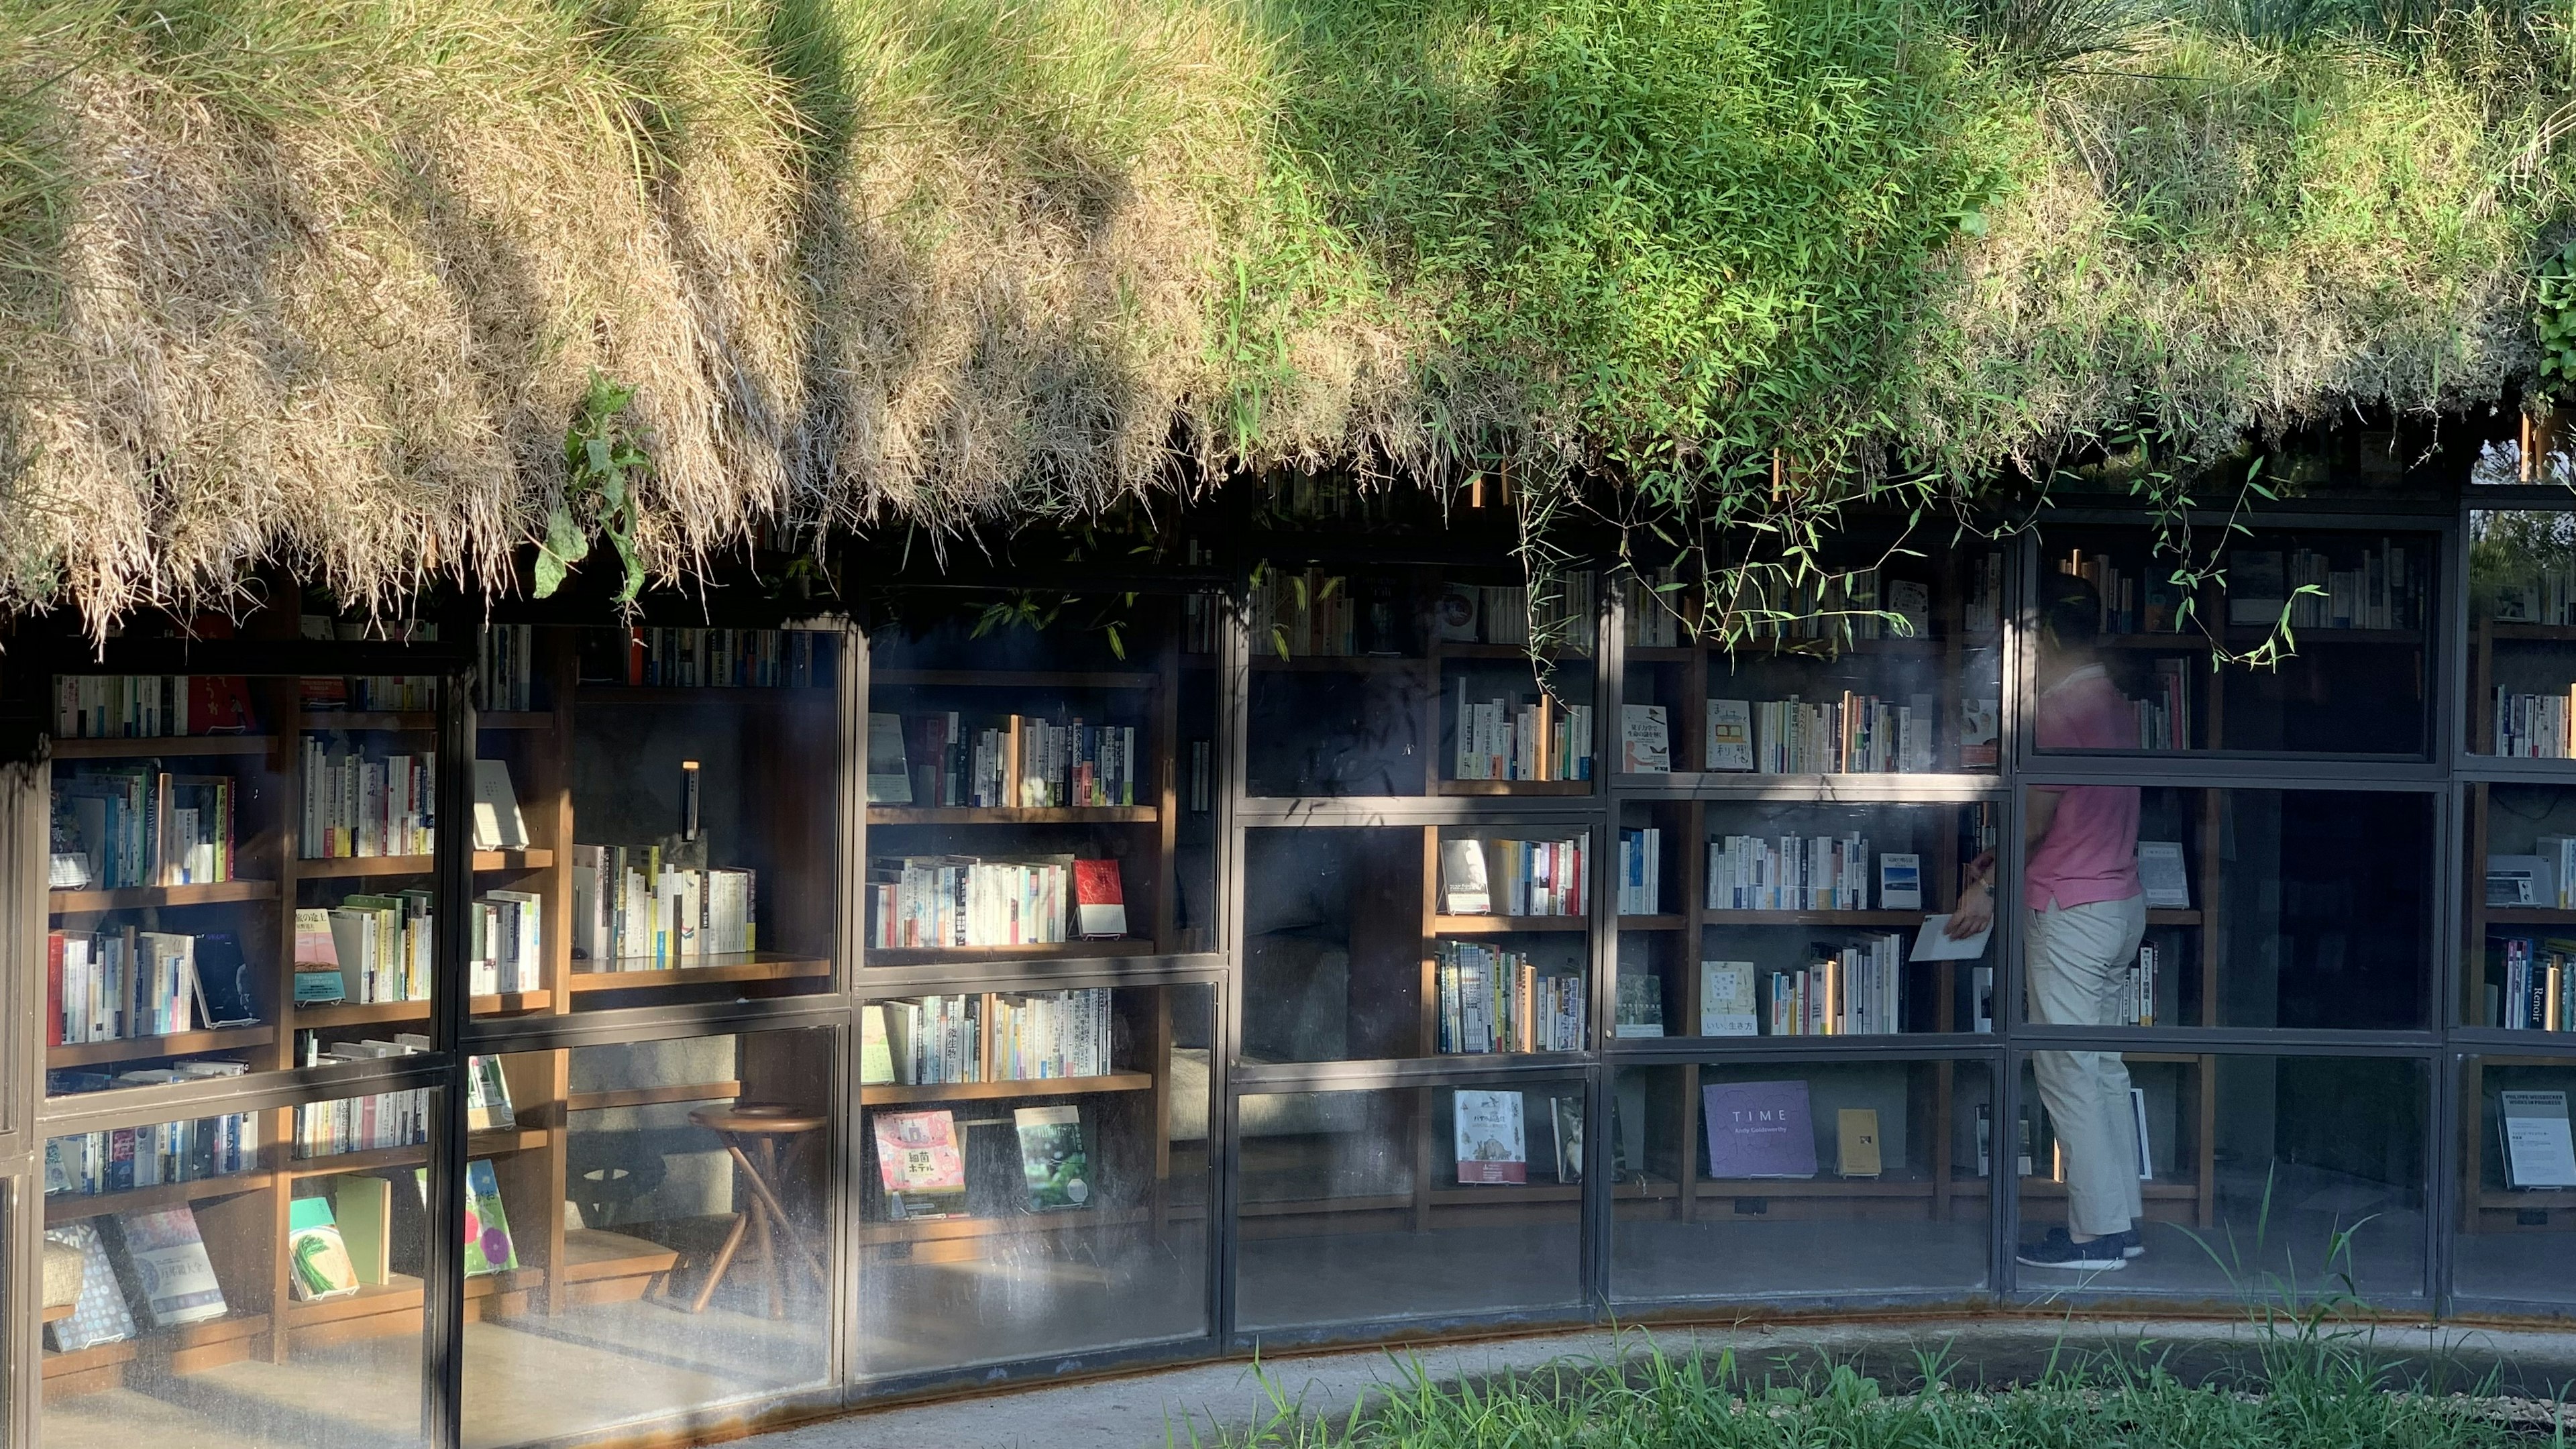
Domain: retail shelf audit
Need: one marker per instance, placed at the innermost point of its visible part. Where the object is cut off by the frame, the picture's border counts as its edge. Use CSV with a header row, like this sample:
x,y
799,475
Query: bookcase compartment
x,y
2515,1186
2522,634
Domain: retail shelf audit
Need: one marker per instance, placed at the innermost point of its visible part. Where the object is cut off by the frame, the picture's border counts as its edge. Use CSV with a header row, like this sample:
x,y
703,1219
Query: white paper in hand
x,y
1933,942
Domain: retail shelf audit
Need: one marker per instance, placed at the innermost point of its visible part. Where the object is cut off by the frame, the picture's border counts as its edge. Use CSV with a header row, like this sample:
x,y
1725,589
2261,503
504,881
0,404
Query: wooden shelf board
x,y
1653,923
934,1229
477,1144
1008,679
1462,649
171,746
886,1094
65,1207
1815,918
57,1312
734,966
1818,1186
1546,789
2169,916
1056,951
2529,916
418,721
2530,1200
1012,815
2157,1191
2534,633
177,1044
230,1328
82,1360
214,893
401,1293
371,1013
652,1096
1505,925
353,866
1480,1194
1267,661
594,1253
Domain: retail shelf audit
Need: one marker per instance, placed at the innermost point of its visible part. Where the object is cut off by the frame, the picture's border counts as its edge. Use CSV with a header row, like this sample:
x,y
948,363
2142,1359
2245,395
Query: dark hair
x,y
2070,609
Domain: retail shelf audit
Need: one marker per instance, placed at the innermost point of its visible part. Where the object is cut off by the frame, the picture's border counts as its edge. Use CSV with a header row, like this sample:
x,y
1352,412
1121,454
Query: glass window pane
x,y
1799,1179
2515,1167
2256,1177
2124,653
673,1238
1419,1202
704,780
2522,930
1376,943
1041,780
244,1279
2522,634
1036,1174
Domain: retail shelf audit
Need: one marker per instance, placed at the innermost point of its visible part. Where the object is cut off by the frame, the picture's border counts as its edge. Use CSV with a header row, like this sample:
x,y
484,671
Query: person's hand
x,y
1975,912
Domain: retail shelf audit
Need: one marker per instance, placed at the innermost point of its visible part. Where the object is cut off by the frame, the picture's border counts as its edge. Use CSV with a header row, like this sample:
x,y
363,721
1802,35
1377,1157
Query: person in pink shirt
x,y
2085,914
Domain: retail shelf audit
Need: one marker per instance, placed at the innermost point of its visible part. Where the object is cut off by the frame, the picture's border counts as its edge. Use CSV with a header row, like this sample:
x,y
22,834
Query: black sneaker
x,y
2132,1245
2057,1250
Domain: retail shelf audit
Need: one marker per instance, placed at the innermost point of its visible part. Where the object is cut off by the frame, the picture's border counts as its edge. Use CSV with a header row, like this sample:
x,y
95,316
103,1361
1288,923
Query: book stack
x,y
1654,605
119,827
362,1124
508,673
121,983
1857,991
1038,1035
2164,716
1298,615
1641,872
124,1158
1530,877
360,805
1792,873
2137,1000
1843,606
1498,1001
957,900
2381,589
718,658
144,706
381,944
1855,734
2130,604
937,1039
631,906
1505,614
509,943
1537,739
2545,593
2537,979
2534,726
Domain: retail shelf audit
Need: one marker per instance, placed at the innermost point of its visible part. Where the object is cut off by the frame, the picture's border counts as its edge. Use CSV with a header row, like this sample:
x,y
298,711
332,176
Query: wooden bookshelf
x,y
177,1044
994,1091
352,867
162,747
716,969
61,1208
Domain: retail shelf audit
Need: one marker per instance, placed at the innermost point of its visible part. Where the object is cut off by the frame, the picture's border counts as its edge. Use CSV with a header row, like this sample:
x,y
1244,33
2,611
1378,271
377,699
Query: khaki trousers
x,y
2078,961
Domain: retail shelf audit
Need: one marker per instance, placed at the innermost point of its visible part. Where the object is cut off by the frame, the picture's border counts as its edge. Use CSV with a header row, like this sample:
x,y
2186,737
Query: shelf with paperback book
x,y
2516,1163
2520,908
1504,731
2522,636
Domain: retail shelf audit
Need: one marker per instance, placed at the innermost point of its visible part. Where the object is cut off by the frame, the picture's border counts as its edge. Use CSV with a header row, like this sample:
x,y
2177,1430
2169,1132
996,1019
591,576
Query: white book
x,y
497,822
1645,745
1463,887
1900,882
1726,999
2537,1149
2160,871
1730,734
889,775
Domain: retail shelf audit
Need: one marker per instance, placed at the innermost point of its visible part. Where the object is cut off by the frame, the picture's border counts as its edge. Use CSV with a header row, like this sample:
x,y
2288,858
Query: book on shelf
x,y
1455,614
1759,1129
702,658
2557,854
2544,593
99,1315
2146,1146
1981,989
1841,607
1641,872
489,1247
1730,734
1099,900
1506,614
1790,873
2534,726
1654,603
2519,880
1523,877
2257,586
361,805
1053,1165
889,770
1980,730
1492,1139
2164,716
317,1257
1639,1005
1856,991
360,1124
1016,761
1464,888
2378,585
919,1165
1911,602
2162,876
1727,999
1856,1143
1645,740
1000,1036
2538,985
123,1158
221,977
1900,881
498,825
507,678
640,911
1565,1115
1202,771
1853,734
1536,738
876,1046
120,827
2135,1003
1494,1000
508,949
150,706
173,1276
119,984
958,900
382,943
487,1096
2537,1149
2130,603
363,1206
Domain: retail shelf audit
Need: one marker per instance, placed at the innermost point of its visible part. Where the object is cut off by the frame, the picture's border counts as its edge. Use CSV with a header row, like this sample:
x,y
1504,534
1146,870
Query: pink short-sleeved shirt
x,y
2091,850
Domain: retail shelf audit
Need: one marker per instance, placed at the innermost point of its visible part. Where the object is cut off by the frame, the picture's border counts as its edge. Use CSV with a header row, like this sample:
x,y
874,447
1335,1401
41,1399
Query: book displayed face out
x,y
1759,1129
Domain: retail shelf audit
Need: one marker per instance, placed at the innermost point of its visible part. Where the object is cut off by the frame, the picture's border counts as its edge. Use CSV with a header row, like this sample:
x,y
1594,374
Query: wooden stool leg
x,y
723,1263
767,1199
770,1268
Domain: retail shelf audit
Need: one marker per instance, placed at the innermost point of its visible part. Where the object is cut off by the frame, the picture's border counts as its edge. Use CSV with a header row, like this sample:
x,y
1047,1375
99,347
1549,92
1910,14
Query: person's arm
x,y
1976,908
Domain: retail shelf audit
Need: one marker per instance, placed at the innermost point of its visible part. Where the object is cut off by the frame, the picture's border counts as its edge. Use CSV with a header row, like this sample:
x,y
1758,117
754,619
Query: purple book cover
x,y
1759,1129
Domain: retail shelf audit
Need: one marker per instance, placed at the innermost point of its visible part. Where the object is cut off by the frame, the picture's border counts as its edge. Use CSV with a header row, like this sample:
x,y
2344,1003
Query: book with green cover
x,y
1052,1159
488,1248
364,1207
317,1259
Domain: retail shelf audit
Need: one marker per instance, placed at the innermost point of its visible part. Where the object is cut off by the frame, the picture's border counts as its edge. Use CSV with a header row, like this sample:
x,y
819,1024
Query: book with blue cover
x,y
1759,1129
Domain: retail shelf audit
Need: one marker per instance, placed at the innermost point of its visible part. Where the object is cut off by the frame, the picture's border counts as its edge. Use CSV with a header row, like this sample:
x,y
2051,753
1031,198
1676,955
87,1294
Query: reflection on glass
x,y
2521,913
2516,1165
671,1239
2238,1176
204,1285
1796,1179
2522,634
1036,1174
1428,1202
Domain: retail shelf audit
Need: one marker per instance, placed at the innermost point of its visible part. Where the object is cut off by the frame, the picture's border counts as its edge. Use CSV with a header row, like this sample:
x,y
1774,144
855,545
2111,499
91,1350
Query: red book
x,y
1099,901
53,988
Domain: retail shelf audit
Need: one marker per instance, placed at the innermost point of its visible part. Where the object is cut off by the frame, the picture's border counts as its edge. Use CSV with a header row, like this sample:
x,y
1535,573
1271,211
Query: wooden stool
x,y
758,1136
